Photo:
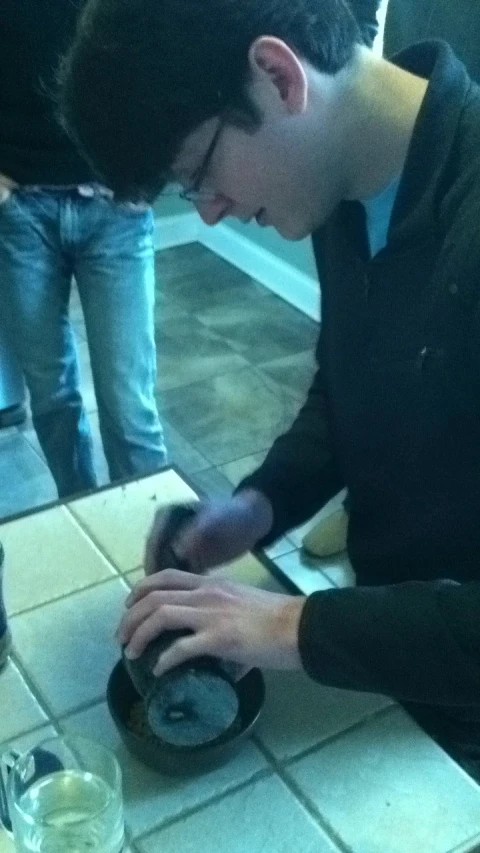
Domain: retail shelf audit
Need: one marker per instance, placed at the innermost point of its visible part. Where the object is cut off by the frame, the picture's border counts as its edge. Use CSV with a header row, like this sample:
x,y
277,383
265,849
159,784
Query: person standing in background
x,y
57,223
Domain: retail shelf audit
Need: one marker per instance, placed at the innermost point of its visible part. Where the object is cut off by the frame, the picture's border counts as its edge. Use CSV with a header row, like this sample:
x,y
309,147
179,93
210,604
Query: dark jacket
x,y
456,21
394,415
33,148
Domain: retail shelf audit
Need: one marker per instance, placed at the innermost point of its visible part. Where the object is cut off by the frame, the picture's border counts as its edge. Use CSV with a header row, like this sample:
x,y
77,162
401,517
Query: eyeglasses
x,y
195,193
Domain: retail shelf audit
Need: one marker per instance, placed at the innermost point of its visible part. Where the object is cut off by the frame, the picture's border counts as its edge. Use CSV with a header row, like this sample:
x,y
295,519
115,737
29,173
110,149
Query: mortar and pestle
x,y
194,716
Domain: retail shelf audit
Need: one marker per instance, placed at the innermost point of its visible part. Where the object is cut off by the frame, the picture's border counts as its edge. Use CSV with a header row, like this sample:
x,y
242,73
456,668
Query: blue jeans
x,y
46,238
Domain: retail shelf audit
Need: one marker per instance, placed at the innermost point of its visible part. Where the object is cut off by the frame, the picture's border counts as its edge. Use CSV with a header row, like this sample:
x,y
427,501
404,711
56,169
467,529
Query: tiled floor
x,y
234,362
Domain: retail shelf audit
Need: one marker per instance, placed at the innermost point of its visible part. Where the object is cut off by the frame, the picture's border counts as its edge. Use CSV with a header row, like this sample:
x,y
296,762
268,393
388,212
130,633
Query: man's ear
x,y
272,58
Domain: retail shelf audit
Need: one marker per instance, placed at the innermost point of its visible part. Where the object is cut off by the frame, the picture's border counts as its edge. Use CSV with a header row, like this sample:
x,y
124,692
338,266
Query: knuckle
x,y
156,602
169,576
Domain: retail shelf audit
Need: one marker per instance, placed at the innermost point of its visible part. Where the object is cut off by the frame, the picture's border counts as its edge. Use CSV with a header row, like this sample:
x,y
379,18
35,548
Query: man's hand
x,y
230,621
217,533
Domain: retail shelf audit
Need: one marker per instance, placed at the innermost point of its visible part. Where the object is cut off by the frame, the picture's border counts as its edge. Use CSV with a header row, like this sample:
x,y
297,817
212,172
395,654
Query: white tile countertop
x,y
325,771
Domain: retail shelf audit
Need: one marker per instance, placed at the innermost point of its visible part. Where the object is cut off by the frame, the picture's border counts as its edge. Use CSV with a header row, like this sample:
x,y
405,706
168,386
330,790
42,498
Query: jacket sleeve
x,y
415,641
366,12
300,473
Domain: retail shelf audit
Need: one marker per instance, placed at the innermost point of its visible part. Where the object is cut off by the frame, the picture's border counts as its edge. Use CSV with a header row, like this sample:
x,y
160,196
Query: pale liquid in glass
x,y
69,812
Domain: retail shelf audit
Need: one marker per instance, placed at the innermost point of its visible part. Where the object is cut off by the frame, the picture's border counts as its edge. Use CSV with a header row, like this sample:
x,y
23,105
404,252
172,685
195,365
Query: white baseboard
x,y
295,287
178,230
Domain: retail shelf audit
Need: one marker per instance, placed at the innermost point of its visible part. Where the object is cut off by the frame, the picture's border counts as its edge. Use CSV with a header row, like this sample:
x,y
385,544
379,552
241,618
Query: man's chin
x,y
294,231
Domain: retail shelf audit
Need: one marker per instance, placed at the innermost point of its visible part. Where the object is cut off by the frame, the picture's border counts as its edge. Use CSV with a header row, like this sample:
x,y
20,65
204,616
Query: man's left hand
x,y
230,621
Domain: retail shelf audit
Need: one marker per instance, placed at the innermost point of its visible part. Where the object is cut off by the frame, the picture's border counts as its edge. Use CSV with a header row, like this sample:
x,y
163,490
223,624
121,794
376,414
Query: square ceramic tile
x,y
293,374
119,518
180,452
236,414
303,572
150,797
20,709
386,786
46,556
270,330
264,817
279,548
189,353
300,713
68,646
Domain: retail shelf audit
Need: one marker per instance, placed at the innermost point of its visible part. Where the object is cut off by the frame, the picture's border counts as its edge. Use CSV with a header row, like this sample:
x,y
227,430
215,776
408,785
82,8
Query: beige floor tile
x,y
386,786
20,710
68,646
119,518
300,713
150,798
46,556
264,817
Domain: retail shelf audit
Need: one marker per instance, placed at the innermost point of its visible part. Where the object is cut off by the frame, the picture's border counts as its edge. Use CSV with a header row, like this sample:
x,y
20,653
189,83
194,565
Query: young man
x,y
57,222
275,111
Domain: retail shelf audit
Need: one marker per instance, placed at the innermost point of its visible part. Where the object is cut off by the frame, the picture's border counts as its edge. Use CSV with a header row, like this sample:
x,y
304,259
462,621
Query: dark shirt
x,y
394,415
33,147
456,21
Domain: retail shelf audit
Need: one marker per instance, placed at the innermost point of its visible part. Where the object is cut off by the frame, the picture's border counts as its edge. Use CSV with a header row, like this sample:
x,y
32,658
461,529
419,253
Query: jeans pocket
x,y
7,197
130,208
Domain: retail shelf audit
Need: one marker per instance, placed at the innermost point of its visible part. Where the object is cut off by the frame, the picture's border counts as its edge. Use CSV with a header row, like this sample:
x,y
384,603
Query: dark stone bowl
x,y
182,760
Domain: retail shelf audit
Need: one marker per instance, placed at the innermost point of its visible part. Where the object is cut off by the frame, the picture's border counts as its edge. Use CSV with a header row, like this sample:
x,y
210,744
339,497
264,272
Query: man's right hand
x,y
217,533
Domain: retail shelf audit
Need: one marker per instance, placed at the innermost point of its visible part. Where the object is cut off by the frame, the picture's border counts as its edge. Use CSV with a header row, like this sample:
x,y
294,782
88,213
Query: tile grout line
x,y
72,592
91,536
374,715
257,776
281,769
27,732
80,709
302,799
37,695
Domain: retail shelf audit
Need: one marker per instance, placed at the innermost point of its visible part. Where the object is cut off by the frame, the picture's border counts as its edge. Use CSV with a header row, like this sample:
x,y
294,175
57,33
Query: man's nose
x,y
214,210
